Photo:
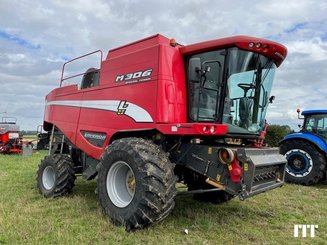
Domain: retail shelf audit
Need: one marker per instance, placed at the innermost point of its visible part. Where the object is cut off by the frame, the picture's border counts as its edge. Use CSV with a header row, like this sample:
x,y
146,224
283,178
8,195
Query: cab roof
x,y
265,47
312,112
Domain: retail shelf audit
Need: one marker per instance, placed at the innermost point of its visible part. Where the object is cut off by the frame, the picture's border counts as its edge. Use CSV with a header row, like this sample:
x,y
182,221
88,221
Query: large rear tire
x,y
55,176
136,183
305,164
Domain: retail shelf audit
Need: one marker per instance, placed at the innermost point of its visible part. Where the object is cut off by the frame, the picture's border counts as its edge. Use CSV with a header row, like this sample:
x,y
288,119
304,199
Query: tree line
x,y
275,133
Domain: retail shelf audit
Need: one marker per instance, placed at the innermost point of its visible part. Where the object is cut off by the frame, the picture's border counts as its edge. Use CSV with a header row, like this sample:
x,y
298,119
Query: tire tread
x,y
158,182
65,175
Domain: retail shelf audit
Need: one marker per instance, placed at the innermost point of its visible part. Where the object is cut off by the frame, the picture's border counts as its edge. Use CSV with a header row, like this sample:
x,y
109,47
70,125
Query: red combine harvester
x,y
10,141
157,113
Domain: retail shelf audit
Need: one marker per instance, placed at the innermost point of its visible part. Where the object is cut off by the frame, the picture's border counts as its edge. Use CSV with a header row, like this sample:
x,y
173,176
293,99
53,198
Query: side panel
x,y
4,138
65,118
125,100
138,88
172,103
126,107
128,68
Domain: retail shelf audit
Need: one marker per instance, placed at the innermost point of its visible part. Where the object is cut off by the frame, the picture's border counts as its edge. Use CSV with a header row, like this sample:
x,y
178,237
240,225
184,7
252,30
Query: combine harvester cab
x,y
156,112
10,141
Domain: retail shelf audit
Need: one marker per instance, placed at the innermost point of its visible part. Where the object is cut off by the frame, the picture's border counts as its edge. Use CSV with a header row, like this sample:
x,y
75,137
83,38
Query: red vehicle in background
x,y
157,112
10,141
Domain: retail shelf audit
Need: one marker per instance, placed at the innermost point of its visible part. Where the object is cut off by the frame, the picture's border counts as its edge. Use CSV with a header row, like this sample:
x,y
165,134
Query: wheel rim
x,y
48,177
120,184
299,163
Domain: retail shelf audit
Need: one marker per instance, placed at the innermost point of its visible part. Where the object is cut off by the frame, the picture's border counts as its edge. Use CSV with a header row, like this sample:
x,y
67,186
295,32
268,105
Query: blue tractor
x,y
306,152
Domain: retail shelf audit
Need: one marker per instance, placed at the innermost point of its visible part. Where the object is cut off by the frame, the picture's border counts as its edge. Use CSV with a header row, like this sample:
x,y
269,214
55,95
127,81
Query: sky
x,y
37,37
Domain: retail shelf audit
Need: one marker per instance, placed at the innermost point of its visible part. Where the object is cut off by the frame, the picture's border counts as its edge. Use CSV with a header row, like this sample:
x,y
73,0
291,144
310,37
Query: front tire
x,y
136,183
305,164
55,176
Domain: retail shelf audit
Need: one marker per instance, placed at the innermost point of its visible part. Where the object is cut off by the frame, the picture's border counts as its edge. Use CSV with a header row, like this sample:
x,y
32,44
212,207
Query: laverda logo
x,y
95,136
96,139
139,76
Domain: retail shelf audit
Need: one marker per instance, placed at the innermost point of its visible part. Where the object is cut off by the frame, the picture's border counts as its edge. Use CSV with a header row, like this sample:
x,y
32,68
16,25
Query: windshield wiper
x,y
267,68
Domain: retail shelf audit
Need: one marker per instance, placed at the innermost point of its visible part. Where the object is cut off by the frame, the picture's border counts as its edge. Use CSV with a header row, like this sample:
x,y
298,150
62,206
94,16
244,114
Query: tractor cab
x,y
315,122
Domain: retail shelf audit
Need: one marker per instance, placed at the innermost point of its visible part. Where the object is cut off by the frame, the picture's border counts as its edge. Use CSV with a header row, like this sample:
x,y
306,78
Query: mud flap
x,y
263,170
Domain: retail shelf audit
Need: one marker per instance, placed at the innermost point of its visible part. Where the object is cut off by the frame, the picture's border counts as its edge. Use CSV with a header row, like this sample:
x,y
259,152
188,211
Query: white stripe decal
x,y
120,106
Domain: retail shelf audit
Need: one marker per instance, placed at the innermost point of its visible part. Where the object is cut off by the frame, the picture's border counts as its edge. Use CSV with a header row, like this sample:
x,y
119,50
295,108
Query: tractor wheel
x,y
55,176
305,164
215,197
136,183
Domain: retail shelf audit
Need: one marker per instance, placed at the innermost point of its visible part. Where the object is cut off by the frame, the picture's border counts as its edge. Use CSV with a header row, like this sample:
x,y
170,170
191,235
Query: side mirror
x,y
298,114
194,70
271,99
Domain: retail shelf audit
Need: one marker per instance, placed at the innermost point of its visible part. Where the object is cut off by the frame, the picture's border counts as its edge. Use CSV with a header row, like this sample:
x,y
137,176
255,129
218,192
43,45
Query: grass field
x,y
27,218
29,137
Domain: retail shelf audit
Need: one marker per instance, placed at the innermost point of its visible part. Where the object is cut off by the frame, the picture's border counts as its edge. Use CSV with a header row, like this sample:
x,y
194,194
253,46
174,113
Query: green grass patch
x,y
30,137
28,218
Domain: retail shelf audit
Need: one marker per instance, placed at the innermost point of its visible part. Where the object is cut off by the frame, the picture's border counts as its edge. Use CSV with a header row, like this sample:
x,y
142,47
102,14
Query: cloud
x,y
36,39
300,81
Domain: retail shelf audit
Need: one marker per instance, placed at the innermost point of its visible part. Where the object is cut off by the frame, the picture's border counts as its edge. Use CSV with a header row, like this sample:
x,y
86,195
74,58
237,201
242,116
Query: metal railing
x,y
62,79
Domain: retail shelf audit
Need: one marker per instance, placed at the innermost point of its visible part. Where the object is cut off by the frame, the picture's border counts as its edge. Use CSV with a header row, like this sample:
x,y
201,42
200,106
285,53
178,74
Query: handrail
x,y
79,57
15,119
